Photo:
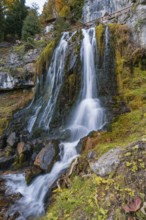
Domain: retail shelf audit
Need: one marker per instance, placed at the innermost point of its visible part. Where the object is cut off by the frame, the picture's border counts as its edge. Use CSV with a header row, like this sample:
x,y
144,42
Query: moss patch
x,y
10,102
100,29
43,61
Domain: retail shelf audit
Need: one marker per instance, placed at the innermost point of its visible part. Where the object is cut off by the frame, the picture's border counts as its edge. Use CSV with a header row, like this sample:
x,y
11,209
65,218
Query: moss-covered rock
x,y
100,32
43,60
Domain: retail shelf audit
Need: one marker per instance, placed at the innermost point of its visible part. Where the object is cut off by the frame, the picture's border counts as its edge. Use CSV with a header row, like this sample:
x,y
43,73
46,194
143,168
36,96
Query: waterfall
x,y
87,115
44,107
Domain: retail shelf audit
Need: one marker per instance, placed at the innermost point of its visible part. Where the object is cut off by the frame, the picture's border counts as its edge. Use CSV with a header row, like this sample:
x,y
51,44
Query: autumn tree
x,y
62,8
48,12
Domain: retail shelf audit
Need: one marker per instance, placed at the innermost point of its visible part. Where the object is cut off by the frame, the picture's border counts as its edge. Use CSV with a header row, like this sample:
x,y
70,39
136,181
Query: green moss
x,y
81,194
19,49
43,60
9,151
65,11
18,161
10,102
100,38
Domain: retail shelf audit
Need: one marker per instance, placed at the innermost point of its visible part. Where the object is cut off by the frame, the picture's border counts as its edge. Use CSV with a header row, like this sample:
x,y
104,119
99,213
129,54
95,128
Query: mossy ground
x,y
92,197
100,29
9,103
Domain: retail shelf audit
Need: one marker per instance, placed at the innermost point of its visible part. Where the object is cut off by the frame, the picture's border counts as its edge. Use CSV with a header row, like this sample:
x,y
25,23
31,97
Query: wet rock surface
x,y
6,162
31,173
45,157
11,139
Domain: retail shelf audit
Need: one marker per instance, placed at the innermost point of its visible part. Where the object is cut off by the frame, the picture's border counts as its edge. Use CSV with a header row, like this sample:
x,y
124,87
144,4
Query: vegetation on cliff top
x,y
71,10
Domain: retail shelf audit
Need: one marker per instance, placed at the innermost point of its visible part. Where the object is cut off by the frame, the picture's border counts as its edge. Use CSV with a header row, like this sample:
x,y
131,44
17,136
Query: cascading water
x,y
87,116
44,107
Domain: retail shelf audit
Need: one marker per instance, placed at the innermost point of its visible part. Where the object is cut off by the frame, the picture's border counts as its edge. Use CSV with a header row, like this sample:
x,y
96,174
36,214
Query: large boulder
x,y
12,139
46,157
107,163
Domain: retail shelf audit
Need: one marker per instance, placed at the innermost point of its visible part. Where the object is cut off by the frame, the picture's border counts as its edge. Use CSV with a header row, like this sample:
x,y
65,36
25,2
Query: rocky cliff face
x,y
17,69
135,18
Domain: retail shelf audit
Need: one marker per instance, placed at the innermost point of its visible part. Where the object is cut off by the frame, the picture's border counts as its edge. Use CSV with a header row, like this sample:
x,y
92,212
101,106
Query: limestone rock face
x,y
31,56
17,70
107,163
6,81
135,18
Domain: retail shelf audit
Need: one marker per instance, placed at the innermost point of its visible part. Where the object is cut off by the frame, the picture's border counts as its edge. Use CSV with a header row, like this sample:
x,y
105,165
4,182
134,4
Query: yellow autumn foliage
x,y
8,3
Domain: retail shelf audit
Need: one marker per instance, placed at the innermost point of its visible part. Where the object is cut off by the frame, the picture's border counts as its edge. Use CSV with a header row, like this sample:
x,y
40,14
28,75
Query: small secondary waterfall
x,y
88,115
44,107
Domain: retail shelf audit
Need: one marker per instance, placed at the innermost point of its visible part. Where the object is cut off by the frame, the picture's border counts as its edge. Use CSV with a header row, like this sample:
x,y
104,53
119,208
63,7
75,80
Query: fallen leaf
x,y
134,206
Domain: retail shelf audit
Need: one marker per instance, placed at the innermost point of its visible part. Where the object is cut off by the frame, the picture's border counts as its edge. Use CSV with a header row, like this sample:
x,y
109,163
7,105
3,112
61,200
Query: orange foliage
x,y
59,5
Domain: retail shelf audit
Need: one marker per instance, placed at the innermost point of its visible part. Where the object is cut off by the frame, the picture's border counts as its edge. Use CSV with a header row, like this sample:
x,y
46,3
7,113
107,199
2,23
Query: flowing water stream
x,y
44,107
87,115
